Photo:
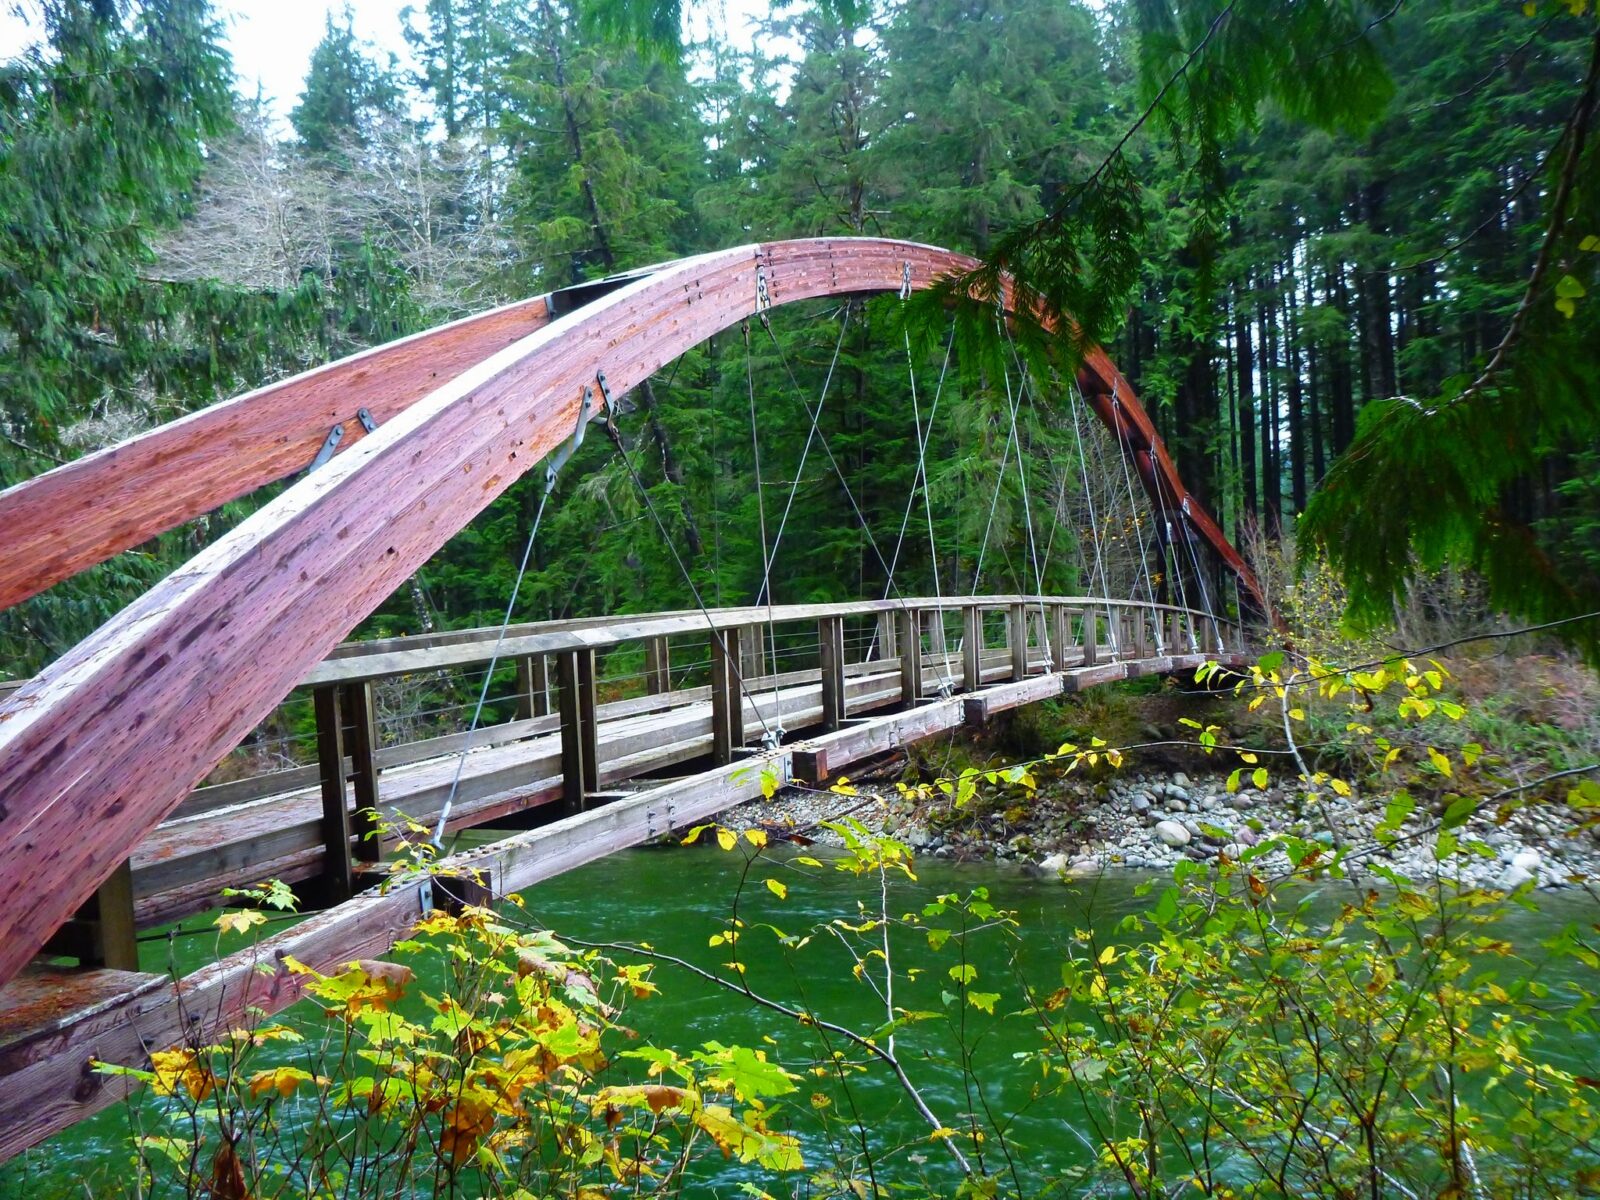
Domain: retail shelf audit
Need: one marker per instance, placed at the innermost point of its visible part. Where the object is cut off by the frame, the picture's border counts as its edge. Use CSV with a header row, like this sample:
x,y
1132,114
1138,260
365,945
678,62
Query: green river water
x,y
674,900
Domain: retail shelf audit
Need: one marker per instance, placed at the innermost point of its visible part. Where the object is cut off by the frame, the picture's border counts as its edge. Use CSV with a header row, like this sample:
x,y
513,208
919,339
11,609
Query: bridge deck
x,y
183,867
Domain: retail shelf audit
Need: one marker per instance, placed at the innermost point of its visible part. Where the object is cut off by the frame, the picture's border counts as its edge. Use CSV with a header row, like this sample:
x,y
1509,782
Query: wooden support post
x,y
830,632
1017,639
358,707
1060,636
910,639
657,667
117,937
580,764
533,687
752,652
727,697
971,647
337,871
1091,636
887,626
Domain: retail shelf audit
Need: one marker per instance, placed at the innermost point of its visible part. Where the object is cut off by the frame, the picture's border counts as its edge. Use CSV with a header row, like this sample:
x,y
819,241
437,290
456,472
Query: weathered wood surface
x,y
45,1083
111,737
82,513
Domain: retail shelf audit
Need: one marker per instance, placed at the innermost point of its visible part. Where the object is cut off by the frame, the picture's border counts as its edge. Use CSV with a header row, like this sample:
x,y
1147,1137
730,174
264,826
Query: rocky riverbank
x,y
1076,827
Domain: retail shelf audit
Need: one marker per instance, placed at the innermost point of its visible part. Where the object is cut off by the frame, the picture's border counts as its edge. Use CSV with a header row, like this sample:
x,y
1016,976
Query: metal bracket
x,y
763,296
367,421
611,408
329,445
773,738
905,280
425,896
565,451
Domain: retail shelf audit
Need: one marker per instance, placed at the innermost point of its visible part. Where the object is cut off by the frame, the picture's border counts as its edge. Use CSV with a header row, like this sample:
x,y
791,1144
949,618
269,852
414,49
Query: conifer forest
x,y
1280,881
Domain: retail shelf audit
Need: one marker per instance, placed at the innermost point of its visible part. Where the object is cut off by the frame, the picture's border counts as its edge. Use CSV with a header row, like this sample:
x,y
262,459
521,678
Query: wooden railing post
x,y
887,628
337,870
533,687
971,647
910,643
657,667
752,653
727,696
358,707
830,633
116,936
1060,636
1091,636
1017,637
580,762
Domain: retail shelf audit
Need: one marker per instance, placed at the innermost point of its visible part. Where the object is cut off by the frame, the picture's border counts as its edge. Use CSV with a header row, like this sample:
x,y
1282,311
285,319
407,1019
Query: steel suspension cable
x,y
761,516
1094,522
1126,445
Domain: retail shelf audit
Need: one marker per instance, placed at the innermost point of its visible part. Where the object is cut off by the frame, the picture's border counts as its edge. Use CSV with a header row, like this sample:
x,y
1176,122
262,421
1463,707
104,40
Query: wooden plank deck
x,y
53,1023
183,866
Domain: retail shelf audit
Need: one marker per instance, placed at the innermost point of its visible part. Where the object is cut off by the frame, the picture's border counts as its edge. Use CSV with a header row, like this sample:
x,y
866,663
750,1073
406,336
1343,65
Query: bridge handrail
x,y
355,661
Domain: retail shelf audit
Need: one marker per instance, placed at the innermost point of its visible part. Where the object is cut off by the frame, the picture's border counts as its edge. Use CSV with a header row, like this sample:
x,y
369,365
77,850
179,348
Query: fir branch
x,y
1576,135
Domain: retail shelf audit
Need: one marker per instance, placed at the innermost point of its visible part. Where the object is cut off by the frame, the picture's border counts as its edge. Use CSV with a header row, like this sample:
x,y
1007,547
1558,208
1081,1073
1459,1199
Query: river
x,y
675,899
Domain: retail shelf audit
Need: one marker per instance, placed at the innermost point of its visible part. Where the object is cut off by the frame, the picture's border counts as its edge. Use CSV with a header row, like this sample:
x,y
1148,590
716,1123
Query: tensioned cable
x,y
805,451
1127,475
1027,505
828,450
920,475
927,500
494,660
994,501
1171,564
1200,575
761,516
694,590
1094,521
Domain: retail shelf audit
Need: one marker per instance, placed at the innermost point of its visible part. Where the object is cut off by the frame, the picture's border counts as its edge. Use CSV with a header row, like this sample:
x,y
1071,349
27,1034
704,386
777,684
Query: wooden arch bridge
x,y
107,826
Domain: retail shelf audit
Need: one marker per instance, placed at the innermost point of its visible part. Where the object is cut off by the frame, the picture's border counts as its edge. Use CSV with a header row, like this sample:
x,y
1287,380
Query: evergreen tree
x,y
347,93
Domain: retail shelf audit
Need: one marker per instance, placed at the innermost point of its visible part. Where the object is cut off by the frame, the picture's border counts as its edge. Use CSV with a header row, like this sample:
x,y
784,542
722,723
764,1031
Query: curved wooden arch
x,y
101,746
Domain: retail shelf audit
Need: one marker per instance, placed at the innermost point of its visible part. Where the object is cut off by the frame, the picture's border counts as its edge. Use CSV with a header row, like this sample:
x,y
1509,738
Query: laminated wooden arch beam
x,y
102,745
79,514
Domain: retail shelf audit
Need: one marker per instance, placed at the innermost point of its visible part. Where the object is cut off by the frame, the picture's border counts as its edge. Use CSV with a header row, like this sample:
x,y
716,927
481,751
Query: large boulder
x,y
1172,834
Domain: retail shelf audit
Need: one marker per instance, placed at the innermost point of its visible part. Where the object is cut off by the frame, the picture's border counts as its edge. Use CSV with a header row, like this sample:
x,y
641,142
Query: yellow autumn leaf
x,y
726,838
1439,761
777,889
240,922
1339,786
1108,956
756,837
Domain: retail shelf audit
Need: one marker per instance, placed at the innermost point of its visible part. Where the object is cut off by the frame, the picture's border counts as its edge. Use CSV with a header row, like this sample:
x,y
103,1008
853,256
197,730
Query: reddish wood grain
x,y
108,740
77,515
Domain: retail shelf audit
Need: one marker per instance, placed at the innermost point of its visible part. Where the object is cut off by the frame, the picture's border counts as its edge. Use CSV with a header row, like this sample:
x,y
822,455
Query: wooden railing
x,y
688,685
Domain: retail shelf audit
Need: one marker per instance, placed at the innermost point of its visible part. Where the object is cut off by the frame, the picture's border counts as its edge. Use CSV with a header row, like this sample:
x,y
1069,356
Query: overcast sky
x,y
272,40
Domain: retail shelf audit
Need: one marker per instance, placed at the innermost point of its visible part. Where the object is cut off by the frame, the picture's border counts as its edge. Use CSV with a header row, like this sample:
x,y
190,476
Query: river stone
x,y
1080,867
1514,877
1526,860
1053,864
1179,778
1240,802
1172,834
1246,836
1140,803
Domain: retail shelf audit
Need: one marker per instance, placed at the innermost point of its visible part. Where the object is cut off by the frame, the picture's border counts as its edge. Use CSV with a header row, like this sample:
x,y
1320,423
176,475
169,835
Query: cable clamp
x,y
773,738
905,280
763,296
1185,506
